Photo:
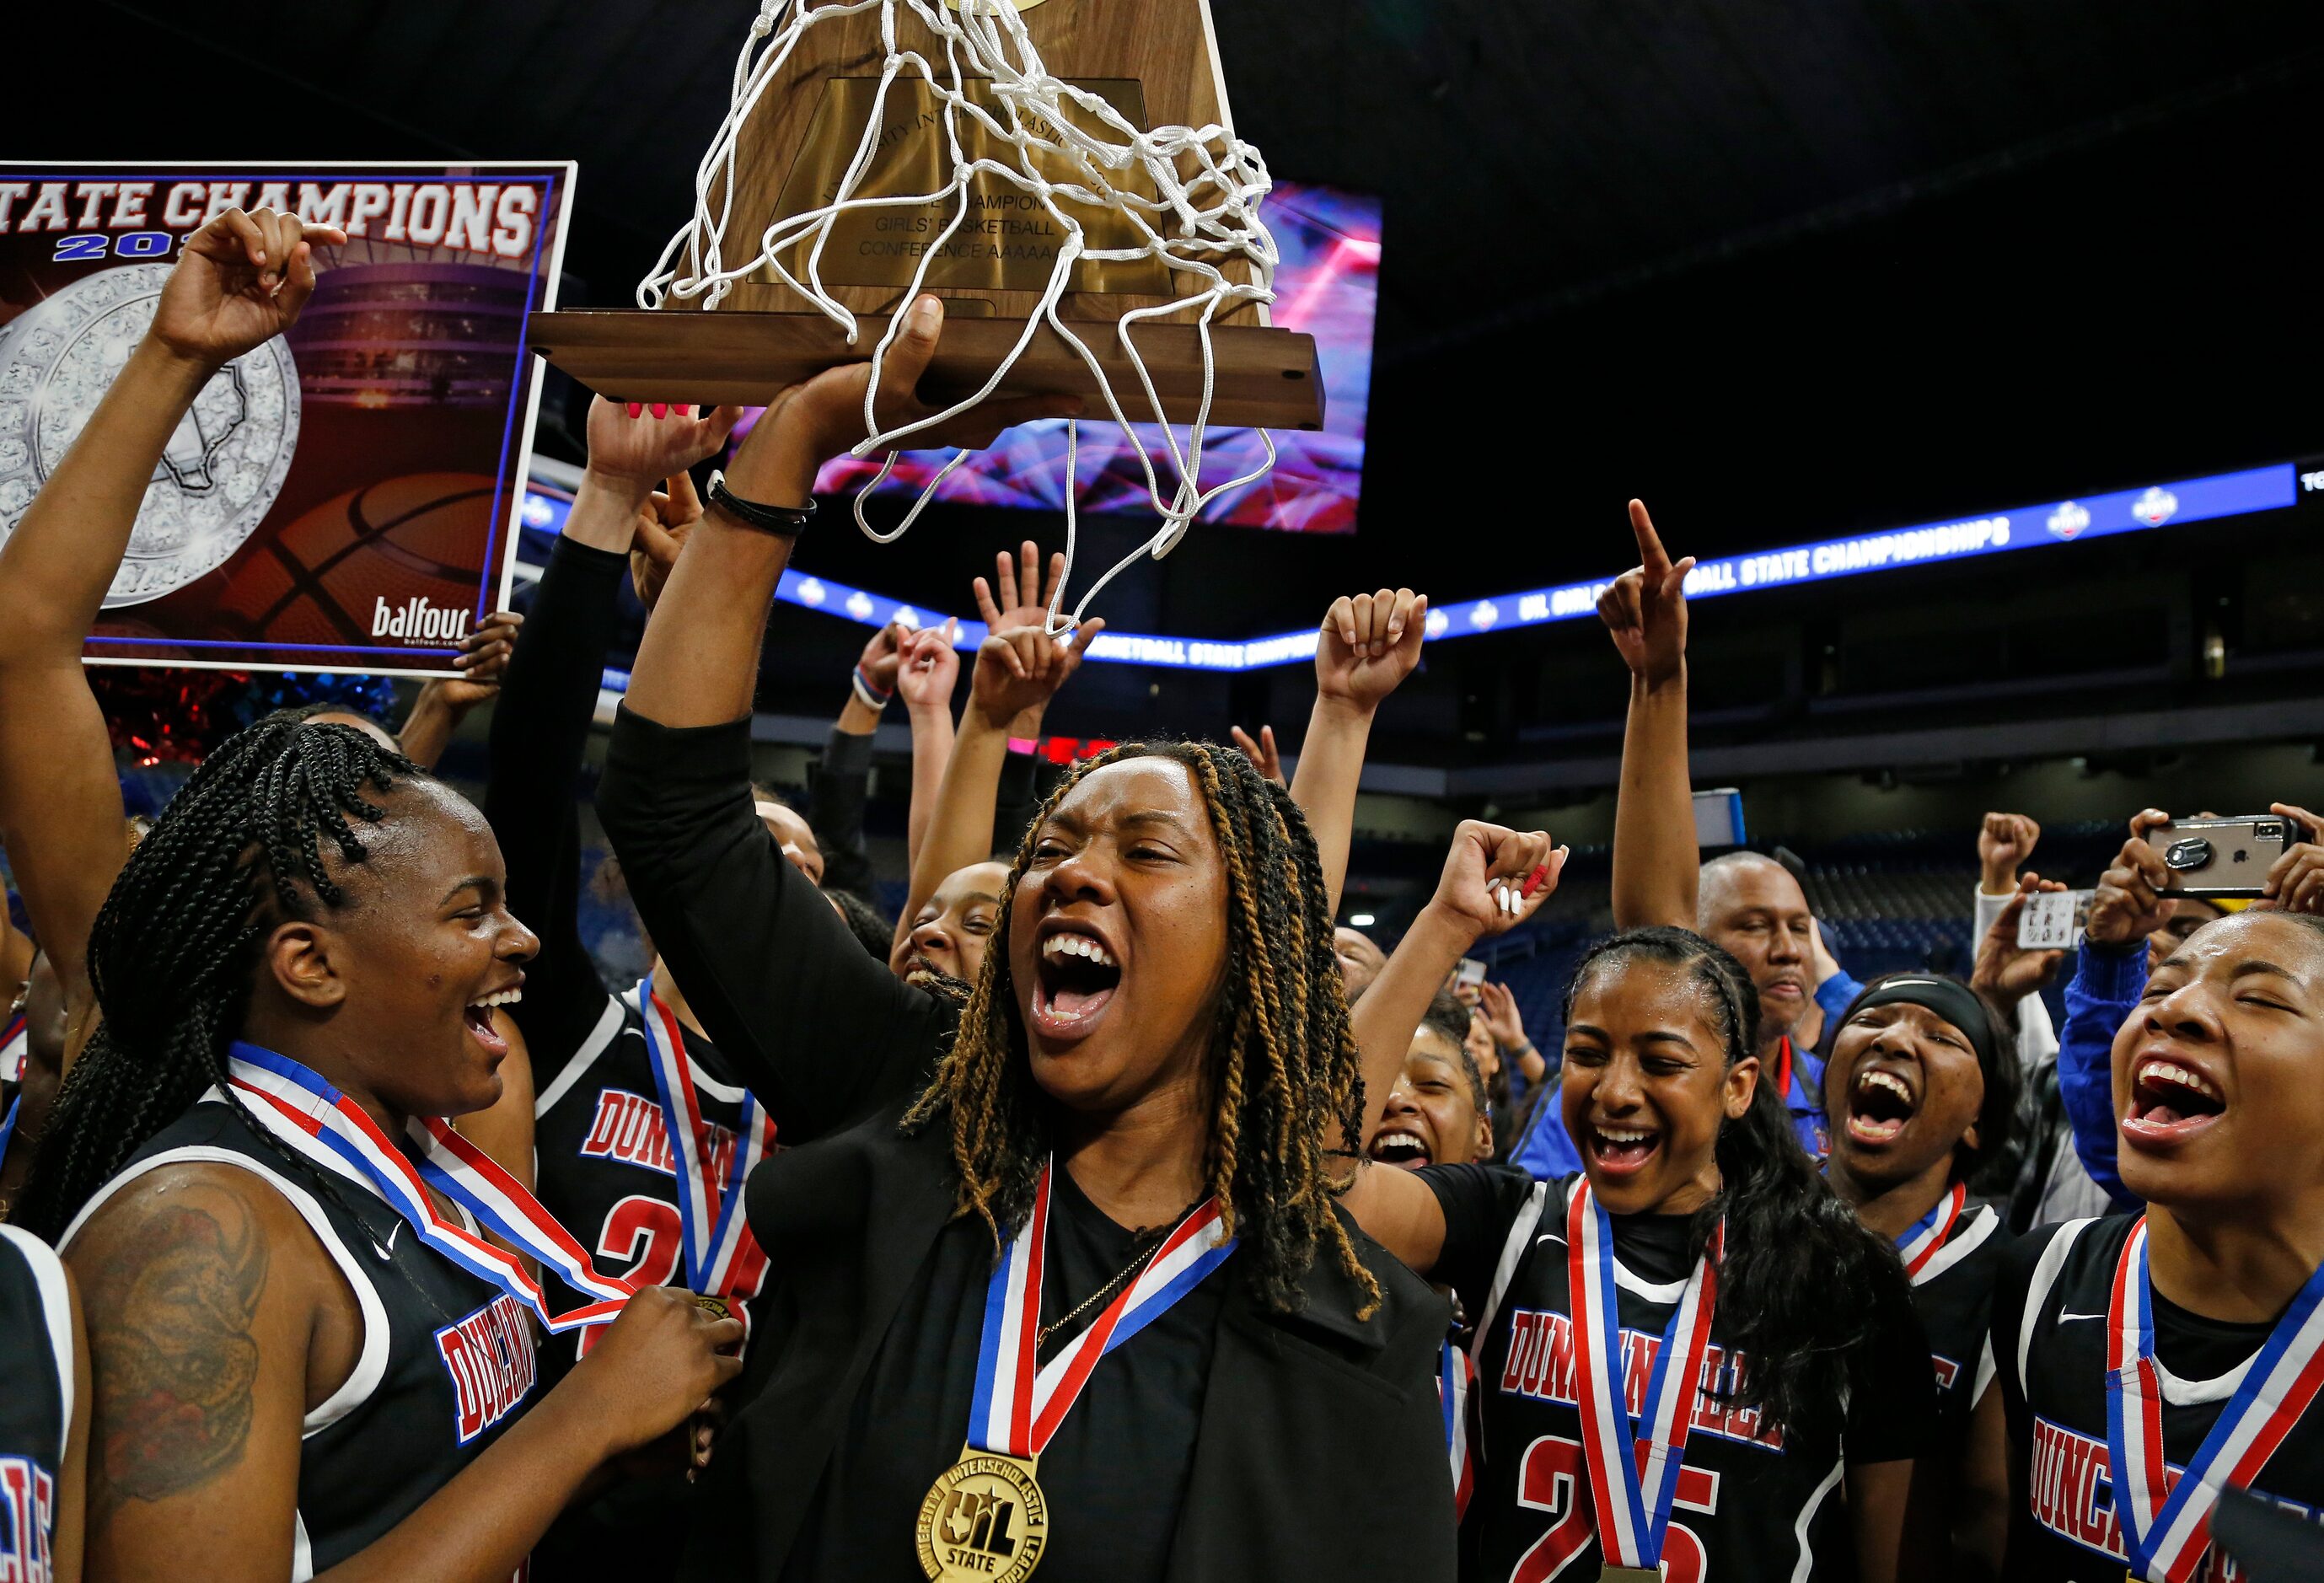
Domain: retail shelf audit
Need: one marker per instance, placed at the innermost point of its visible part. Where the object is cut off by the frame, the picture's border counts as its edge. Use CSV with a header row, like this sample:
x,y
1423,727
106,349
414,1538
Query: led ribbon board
x,y
2128,510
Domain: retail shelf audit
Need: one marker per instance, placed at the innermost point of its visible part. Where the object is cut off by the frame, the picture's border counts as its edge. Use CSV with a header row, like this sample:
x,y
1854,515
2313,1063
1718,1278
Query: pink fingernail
x,y
661,409
636,408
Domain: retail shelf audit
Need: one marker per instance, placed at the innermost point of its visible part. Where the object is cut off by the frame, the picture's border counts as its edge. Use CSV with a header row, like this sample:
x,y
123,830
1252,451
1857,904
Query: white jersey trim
x,y
1805,1564
2037,1294
302,1548
600,1039
1513,1252
1966,1241
371,1364
1988,1371
56,1308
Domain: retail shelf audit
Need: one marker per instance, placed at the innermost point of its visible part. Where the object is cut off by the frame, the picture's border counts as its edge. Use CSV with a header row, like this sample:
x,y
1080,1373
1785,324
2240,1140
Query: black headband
x,y
1949,998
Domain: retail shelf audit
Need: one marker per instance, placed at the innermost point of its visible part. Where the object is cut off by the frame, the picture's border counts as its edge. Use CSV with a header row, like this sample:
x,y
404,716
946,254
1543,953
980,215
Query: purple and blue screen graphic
x,y
1327,284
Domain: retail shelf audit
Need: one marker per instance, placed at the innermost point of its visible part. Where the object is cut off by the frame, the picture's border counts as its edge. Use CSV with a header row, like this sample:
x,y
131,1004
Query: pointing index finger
x,y
1652,557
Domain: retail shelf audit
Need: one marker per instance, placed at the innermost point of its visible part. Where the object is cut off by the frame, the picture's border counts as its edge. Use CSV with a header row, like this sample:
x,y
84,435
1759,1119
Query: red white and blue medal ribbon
x,y
1019,1402
1633,1466
1456,1377
15,1039
287,1097
2166,1527
711,1227
1918,1245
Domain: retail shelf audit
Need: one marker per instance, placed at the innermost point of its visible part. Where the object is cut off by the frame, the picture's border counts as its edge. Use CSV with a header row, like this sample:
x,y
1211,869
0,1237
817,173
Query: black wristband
x,y
785,520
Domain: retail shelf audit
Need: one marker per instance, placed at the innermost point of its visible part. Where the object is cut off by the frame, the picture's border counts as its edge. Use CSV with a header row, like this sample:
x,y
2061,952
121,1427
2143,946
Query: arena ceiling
x,y
1877,261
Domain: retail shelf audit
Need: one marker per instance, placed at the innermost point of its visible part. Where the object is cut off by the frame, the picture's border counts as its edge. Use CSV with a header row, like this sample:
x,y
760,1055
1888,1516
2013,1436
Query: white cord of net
x,y
1189,223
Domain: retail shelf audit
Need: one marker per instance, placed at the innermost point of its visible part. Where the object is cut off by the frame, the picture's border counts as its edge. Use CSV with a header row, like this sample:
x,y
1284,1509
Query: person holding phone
x,y
2138,920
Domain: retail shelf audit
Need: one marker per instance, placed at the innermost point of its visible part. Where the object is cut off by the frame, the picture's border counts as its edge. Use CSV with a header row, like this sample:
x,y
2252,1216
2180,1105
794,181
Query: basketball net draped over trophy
x,y
1063,173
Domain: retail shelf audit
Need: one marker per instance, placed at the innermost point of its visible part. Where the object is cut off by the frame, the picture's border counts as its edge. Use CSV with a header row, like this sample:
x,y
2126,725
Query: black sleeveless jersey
x,y
1754,1503
602,1162
1952,1296
36,1386
448,1359
2050,1337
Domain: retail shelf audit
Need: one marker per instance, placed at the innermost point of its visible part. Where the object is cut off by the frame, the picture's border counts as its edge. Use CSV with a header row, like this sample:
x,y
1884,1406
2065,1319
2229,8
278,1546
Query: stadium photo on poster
x,y
340,498
1326,284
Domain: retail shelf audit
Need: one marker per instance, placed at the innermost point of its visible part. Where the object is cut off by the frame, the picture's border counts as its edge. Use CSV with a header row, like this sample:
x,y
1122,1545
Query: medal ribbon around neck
x,y
1918,1245
1019,1403
711,1227
1633,1466
2167,1527
298,1106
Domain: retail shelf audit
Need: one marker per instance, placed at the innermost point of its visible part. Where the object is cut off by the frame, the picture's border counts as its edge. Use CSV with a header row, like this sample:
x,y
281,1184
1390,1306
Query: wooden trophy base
x,y
1262,378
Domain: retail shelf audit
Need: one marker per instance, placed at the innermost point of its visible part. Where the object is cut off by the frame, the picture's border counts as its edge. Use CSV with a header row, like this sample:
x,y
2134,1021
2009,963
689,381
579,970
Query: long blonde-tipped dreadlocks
x,y
1284,1081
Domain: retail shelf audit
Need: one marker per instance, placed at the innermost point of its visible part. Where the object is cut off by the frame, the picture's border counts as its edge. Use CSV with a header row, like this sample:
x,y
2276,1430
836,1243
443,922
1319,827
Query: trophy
x,y
1063,173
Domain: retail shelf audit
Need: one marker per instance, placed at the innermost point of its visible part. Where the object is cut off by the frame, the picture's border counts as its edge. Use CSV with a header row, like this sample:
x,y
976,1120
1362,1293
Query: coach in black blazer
x,y
1237,1442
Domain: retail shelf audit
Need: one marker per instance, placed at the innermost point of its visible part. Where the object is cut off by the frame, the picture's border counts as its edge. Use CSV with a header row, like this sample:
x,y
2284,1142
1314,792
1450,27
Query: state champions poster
x,y
343,498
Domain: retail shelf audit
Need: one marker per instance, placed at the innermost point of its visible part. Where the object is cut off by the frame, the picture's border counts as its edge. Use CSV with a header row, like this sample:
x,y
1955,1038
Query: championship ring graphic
x,y
223,466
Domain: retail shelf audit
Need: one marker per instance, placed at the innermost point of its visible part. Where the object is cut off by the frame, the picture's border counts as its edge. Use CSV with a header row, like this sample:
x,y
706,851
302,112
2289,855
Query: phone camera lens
x,y
2191,853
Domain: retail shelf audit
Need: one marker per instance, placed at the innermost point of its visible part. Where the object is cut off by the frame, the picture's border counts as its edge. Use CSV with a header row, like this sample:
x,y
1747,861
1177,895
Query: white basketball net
x,y
1192,222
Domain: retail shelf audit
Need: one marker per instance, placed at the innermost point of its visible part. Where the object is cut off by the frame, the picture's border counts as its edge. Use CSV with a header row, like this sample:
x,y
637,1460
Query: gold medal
x,y
985,1518
1629,1575
717,1308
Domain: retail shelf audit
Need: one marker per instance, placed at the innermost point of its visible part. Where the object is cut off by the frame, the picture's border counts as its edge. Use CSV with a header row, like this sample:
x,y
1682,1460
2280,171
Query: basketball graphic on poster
x,y
389,565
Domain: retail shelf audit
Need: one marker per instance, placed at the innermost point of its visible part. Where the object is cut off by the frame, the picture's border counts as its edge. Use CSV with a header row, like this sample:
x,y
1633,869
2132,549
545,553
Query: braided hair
x,y
1283,1080
1802,1282
173,954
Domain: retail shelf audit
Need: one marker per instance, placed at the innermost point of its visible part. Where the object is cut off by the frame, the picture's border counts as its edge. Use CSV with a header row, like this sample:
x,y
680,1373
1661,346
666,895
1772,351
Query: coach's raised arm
x,y
769,969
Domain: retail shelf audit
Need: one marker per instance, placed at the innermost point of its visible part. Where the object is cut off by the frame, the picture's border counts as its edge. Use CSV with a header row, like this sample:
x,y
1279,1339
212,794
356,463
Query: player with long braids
x,y
1057,1276
1691,1360
299,1367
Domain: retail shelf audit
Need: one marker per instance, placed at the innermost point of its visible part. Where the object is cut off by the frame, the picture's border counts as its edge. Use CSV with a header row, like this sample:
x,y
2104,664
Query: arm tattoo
x,y
170,1308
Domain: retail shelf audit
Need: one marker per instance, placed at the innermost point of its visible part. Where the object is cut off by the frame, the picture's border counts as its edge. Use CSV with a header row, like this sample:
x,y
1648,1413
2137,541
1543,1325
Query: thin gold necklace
x,y
1145,1258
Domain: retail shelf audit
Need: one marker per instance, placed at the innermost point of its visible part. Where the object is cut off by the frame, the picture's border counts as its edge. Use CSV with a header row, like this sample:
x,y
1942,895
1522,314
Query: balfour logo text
x,y
418,621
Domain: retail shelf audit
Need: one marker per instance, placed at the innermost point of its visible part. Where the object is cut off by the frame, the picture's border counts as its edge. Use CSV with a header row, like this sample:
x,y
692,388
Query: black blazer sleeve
x,y
822,1032
836,790
1013,803
541,728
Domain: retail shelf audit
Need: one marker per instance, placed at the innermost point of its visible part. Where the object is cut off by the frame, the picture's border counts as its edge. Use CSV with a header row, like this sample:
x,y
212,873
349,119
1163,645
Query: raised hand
x,y
1369,644
665,517
2295,883
1499,1006
657,1364
928,667
2127,905
240,281
883,655
2006,969
820,418
483,659
1022,669
2003,845
1495,879
1015,600
1645,608
1261,753
635,447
